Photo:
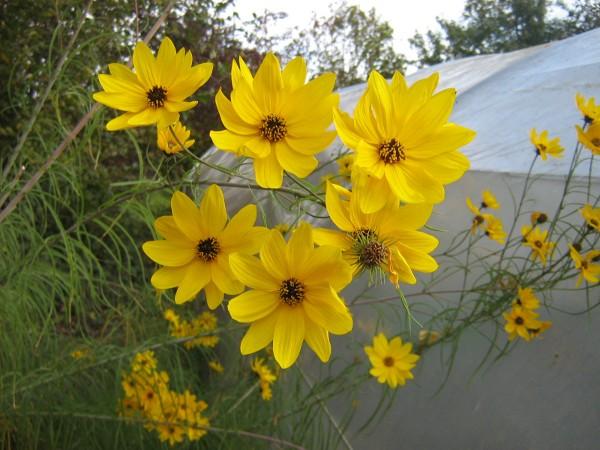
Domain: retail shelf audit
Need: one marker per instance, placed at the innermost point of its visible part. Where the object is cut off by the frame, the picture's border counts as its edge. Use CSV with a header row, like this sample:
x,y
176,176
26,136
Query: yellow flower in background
x,y
198,242
538,217
519,321
405,147
276,118
345,164
386,241
478,217
170,433
80,353
535,239
527,299
266,377
544,146
282,228
168,144
535,332
392,361
588,108
588,265
216,366
293,296
156,92
202,324
590,138
494,229
489,200
144,362
591,216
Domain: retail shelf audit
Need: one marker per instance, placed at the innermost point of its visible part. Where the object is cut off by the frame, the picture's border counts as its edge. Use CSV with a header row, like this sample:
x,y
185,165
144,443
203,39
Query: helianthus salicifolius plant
x,y
276,118
392,360
405,147
293,296
155,92
384,242
545,146
197,244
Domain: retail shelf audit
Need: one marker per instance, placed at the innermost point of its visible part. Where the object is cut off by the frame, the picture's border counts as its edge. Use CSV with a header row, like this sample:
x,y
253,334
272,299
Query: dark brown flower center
x,y
478,219
538,244
208,249
596,142
273,128
594,222
584,265
291,292
373,254
388,361
156,96
391,152
519,320
364,234
540,148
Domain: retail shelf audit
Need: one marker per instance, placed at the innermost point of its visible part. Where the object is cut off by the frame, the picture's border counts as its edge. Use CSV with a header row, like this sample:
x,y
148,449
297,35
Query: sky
x,y
405,16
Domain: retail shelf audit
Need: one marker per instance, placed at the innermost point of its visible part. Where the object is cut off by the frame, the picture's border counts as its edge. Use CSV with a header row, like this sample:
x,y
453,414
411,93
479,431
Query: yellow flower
x,y
386,241
156,92
588,108
538,217
535,239
405,147
494,229
544,146
171,316
589,269
170,432
345,164
590,138
293,296
478,218
489,200
80,353
144,362
519,321
535,332
216,366
197,245
276,118
392,362
591,216
167,143
266,377
527,299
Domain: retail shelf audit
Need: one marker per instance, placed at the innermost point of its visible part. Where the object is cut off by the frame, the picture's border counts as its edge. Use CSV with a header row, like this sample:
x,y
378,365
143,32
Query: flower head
x,y
590,138
386,241
80,353
392,361
198,242
489,200
544,146
536,239
526,299
293,296
519,321
588,108
156,91
538,217
405,147
588,265
493,229
276,118
216,366
266,377
591,216
168,143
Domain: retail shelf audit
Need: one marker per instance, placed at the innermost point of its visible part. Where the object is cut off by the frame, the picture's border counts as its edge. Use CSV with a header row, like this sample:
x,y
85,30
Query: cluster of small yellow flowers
x,y
204,323
588,264
537,241
266,377
173,415
216,366
392,361
491,225
545,146
590,136
522,320
345,164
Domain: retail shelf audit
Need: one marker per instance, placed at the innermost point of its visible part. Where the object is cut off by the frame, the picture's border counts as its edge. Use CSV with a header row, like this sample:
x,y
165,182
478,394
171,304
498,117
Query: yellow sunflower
x,y
386,241
392,361
405,147
167,142
293,296
588,108
197,245
588,265
590,138
156,92
544,146
591,216
536,239
276,118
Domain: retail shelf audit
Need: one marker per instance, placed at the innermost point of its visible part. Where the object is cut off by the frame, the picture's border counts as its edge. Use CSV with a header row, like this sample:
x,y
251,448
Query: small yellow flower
x,y
80,353
544,146
489,200
538,217
535,239
156,92
591,216
590,138
198,242
167,143
216,366
494,229
345,164
144,362
479,218
293,296
266,377
587,264
519,321
588,108
170,432
276,118
171,316
527,299
392,361
405,147
535,332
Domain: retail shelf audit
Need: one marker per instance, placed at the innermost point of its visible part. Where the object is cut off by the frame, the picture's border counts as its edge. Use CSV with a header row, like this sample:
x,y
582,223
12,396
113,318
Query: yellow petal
x,y
273,255
268,83
222,276
168,253
168,277
294,73
230,118
212,212
120,122
269,173
242,99
380,95
165,61
344,126
144,64
130,102
338,210
417,260
402,268
226,140
196,277
259,335
214,296
324,307
294,162
324,236
253,305
317,339
251,272
326,266
309,145
168,229
430,117
288,336
447,138
299,247
188,217
258,146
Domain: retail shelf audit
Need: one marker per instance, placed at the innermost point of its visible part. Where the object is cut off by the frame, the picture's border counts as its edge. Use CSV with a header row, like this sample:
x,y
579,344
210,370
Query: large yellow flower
x,y
405,147
293,296
385,241
392,361
276,119
156,92
197,245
